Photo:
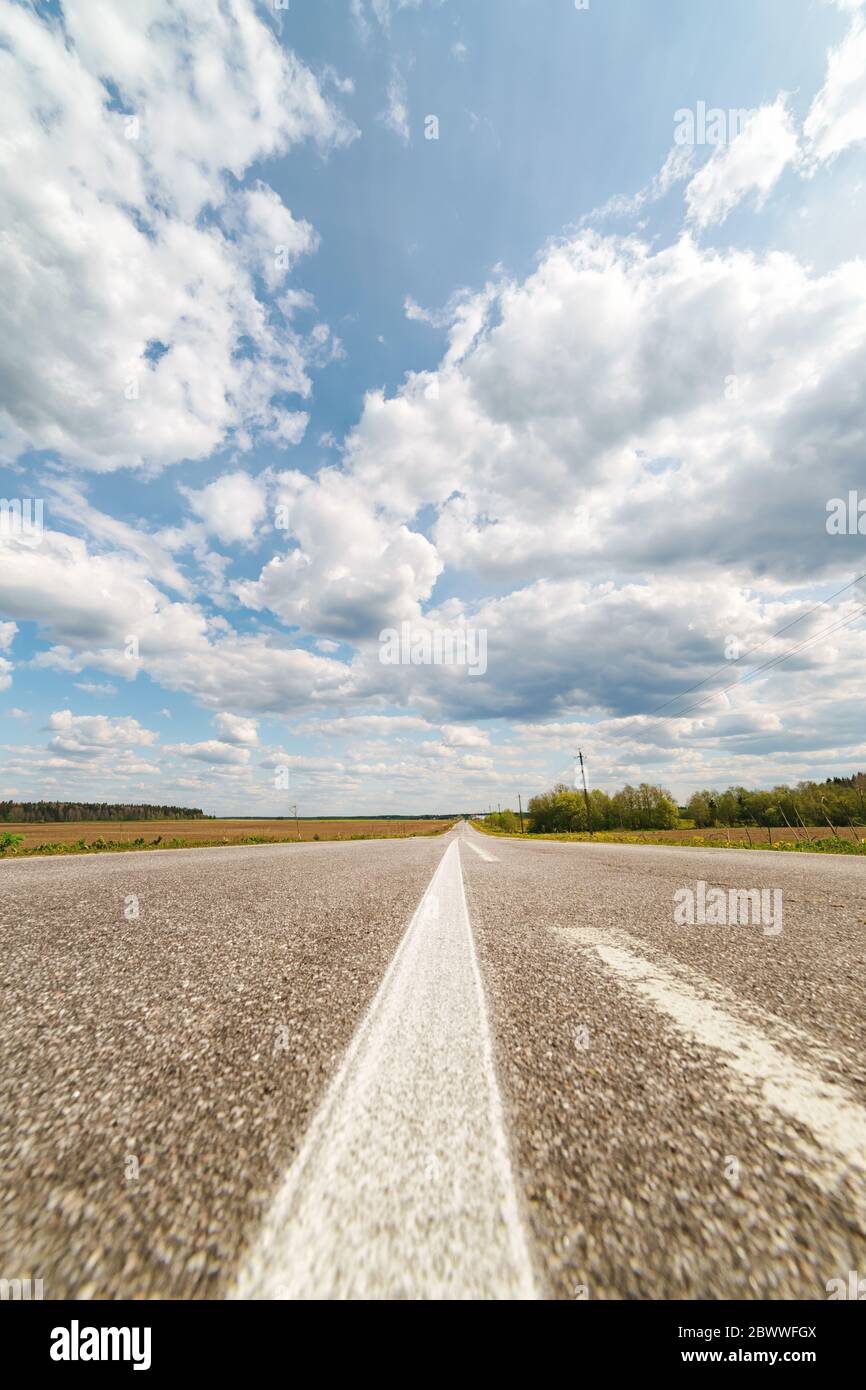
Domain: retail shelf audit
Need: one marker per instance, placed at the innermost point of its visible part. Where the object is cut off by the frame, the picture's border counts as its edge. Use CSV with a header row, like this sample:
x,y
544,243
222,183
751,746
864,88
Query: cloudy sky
x,y
517,318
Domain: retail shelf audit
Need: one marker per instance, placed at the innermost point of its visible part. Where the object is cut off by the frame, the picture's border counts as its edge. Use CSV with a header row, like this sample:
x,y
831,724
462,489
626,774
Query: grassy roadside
x,y
11,850
646,837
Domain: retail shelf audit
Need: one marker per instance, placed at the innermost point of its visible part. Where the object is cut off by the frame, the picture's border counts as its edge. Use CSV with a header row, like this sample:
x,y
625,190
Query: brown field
x,y
215,832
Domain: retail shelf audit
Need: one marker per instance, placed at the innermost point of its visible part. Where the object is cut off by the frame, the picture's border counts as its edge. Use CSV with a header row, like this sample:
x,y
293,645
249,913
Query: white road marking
x,y
403,1186
491,858
712,1015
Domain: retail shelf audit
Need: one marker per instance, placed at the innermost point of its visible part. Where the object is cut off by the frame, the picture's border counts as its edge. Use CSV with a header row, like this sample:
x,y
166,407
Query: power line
x,y
759,647
774,661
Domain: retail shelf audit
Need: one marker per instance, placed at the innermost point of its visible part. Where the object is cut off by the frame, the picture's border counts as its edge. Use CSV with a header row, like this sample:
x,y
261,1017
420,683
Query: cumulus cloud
x,y
350,571
90,605
621,462
234,728
689,383
232,507
92,735
126,312
461,736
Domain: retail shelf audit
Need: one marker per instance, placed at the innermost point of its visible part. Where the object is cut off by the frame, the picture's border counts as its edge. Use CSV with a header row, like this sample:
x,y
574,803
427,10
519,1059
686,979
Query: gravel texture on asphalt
x,y
628,1130
684,1104
159,1071
403,1187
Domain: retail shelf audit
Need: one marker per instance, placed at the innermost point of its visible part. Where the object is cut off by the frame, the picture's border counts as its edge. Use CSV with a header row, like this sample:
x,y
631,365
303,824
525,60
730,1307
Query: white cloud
x,y
7,633
97,689
212,751
624,458
234,728
350,570
232,507
461,736
90,604
91,735
269,235
751,164
67,499
688,383
837,117
396,113
677,167
353,726
125,314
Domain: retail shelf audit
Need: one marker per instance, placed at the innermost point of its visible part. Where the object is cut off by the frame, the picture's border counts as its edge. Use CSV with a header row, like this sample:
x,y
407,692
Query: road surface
x,y
459,1067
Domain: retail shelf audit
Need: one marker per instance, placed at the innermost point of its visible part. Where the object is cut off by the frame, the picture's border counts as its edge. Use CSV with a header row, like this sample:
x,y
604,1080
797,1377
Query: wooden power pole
x,y
520,804
585,793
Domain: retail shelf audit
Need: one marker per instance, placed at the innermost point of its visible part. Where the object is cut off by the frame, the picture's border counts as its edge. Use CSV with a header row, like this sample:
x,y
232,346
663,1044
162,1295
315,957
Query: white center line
x,y
403,1186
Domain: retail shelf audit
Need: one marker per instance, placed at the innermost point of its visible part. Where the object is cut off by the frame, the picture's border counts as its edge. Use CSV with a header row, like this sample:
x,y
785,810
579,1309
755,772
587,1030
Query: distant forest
x,y
37,811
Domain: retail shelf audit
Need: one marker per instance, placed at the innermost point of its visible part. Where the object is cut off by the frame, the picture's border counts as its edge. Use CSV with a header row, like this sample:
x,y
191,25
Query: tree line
x,y
836,801
30,812
647,807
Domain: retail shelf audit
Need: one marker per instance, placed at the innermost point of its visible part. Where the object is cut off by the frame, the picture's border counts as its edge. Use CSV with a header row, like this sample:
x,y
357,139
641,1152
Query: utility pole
x,y
585,794
520,804
297,825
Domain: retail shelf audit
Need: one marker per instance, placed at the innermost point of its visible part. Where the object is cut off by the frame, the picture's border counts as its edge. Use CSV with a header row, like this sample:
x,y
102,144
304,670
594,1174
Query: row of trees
x,y
647,807
841,800
37,811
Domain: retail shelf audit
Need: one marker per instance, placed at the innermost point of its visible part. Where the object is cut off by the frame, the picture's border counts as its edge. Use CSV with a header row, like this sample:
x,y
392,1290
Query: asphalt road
x,y
461,1067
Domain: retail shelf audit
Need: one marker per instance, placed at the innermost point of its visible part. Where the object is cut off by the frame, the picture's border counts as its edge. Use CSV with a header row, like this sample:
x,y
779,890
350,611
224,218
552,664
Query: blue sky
x,y
552,376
